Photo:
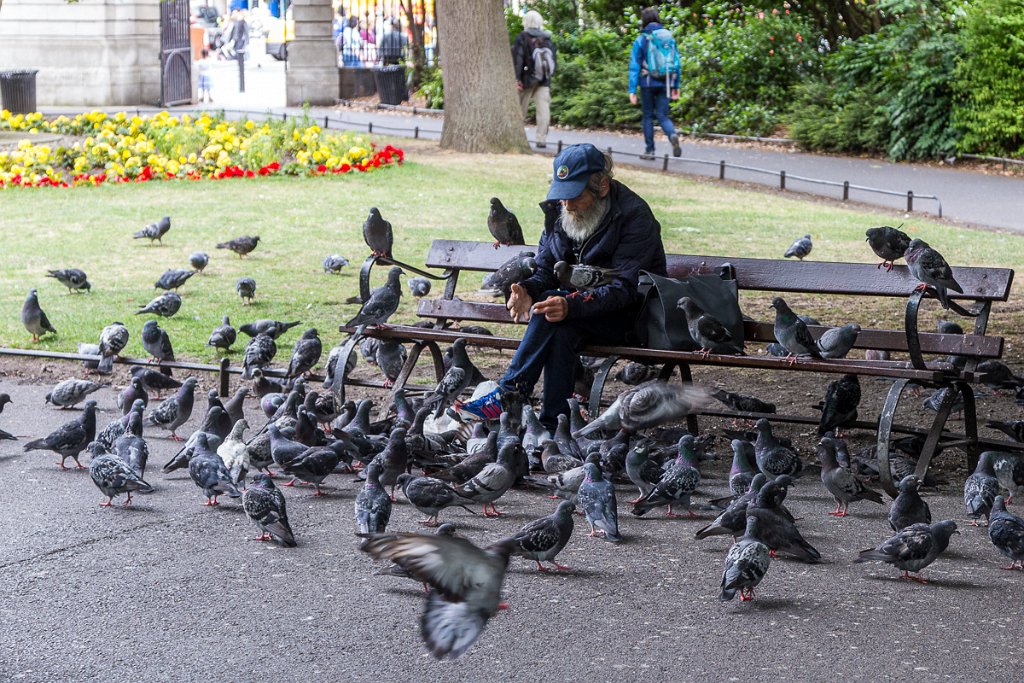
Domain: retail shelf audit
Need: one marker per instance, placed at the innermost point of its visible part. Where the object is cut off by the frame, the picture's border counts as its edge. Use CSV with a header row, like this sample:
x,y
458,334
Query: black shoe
x,y
677,151
648,155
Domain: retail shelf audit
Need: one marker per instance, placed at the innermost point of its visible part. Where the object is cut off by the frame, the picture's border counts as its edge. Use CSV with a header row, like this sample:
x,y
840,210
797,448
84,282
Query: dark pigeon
x,y
34,318
542,539
746,564
708,331
259,352
582,277
596,497
1006,531
503,225
154,231
733,519
373,504
264,505
844,487
271,328
634,374
153,380
909,507
792,332
72,278
315,464
676,485
165,305
913,548
390,357
174,411
71,438
156,342
512,271
305,354
377,234
223,336
430,496
778,531
241,245
931,269
173,279
840,405
888,243
743,404
246,288
981,488
209,473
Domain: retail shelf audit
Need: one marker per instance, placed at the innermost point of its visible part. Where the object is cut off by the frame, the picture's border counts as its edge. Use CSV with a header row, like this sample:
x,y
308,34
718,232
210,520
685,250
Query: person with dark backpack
x,y
654,67
533,55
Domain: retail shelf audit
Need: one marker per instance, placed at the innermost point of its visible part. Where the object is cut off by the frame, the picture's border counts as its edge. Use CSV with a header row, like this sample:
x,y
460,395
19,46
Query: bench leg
x,y
970,426
600,378
932,440
885,433
338,385
410,365
687,378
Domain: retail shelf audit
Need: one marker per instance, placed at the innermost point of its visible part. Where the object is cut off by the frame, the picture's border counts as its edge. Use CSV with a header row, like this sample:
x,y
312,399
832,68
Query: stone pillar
x,y
93,53
312,56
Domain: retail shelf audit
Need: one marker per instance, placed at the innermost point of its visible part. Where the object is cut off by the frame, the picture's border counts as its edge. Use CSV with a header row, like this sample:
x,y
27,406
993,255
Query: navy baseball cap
x,y
572,169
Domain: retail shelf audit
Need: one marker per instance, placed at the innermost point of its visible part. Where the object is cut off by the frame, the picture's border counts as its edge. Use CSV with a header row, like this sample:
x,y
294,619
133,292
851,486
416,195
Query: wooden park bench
x,y
982,286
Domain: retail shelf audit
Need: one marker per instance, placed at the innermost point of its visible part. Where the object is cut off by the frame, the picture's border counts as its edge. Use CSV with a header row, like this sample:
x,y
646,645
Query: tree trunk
x,y
416,47
481,104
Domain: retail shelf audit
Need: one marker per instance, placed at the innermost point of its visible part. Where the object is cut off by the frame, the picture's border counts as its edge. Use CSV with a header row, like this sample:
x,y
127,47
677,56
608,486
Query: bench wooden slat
x,y
889,340
772,275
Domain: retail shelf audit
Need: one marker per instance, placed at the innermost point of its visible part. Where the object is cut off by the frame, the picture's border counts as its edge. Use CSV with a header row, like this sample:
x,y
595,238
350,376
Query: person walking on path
x,y
533,54
654,67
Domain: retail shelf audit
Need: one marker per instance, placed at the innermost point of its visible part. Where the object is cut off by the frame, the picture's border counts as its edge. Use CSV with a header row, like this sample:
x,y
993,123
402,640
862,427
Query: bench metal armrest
x,y
371,261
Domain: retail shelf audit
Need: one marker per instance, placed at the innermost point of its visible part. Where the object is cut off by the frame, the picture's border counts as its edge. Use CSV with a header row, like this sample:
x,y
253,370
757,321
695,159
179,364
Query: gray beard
x,y
580,226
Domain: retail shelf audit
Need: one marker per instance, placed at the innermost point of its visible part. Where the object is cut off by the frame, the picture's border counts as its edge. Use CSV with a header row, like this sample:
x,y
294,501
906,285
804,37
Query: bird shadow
x,y
770,605
938,583
526,570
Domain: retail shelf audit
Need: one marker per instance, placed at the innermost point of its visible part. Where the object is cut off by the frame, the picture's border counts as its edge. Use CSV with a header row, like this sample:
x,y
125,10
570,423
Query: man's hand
x,y
519,304
519,85
632,98
554,309
674,94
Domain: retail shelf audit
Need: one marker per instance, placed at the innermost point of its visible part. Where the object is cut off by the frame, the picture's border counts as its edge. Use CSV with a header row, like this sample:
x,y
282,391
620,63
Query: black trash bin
x,y
390,81
18,91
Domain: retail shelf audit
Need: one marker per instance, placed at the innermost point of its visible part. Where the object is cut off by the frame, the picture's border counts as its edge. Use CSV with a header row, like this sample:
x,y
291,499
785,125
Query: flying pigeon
x,y
154,231
174,278
912,549
34,318
676,485
165,305
928,266
241,245
383,302
708,331
377,234
271,328
512,271
156,342
888,243
844,487
503,225
71,392
596,497
208,472
174,411
430,496
836,342
373,504
801,248
246,288
542,539
334,263
264,505
1006,531
305,354
419,287
223,336
839,408
70,438
72,278
199,260
113,477
909,507
745,564
792,332
743,404
259,352
113,339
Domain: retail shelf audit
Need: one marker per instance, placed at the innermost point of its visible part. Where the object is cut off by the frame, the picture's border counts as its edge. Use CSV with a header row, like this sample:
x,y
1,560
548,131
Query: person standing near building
x,y
533,54
393,44
349,43
654,67
204,67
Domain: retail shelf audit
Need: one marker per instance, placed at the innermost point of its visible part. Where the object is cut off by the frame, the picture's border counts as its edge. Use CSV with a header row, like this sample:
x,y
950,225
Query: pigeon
x,y
1013,428
913,548
743,404
71,392
455,380
241,245
377,234
234,405
305,354
542,539
888,243
199,260
113,477
113,339
466,582
1006,531
492,481
246,288
792,332
154,381
836,342
840,405
223,336
176,410
208,472
235,453
801,248
743,469
71,438
334,263
596,497
928,266
165,305
390,357
676,485
745,564
778,531
844,487
708,331
651,404
264,505
981,488
733,519
72,278
634,374
503,225
582,277
383,302
156,342
909,507
1009,469
259,352
315,464
935,399
419,287
515,270
773,458
430,496
154,231
271,328
34,318
173,279
373,504
368,349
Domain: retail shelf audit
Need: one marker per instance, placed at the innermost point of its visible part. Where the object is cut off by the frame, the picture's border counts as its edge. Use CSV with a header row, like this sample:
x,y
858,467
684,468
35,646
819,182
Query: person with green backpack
x,y
654,68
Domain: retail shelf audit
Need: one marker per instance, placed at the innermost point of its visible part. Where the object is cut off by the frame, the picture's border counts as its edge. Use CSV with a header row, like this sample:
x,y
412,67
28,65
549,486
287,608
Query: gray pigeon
x,y
836,342
839,408
430,496
72,278
87,349
377,234
466,583
596,497
271,328
208,472
241,245
305,354
913,548
165,305
744,404
493,481
888,243
199,260
512,271
542,539
70,438
734,518
746,564
71,392
173,279
909,507
334,263
999,375
743,469
676,485
154,231
773,458
223,336
383,302
792,332
503,225
259,352
315,464
708,331
174,411
113,340
1006,531
153,380
981,488
156,342
934,400
34,318
634,374
246,288
390,357
651,404
113,477
801,248
455,380
264,505
584,278
930,268
234,405
373,504
419,287
777,529
1009,469
844,487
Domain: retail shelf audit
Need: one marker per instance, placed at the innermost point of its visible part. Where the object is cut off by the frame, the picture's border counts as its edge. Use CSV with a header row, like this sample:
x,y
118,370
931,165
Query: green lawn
x,y
433,195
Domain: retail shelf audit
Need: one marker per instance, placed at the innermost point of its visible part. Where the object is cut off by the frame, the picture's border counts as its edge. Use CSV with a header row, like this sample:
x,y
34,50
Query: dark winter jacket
x,y
522,56
628,239
638,59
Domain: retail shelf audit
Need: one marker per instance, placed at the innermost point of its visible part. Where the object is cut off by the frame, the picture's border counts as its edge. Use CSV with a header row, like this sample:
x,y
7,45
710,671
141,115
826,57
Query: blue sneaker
x,y
487,407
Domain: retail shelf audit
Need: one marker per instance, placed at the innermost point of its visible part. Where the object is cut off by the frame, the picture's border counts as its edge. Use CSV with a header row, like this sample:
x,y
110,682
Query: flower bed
x,y
120,148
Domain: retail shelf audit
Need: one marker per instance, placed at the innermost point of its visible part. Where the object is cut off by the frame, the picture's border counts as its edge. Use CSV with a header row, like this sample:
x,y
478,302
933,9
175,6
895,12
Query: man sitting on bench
x,y
589,219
